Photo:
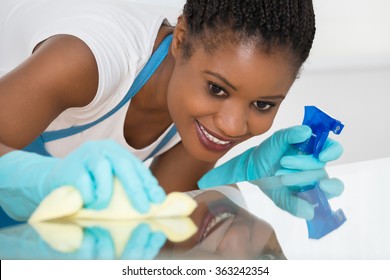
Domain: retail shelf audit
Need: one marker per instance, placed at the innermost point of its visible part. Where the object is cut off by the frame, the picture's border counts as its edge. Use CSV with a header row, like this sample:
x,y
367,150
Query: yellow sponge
x,y
67,202
60,218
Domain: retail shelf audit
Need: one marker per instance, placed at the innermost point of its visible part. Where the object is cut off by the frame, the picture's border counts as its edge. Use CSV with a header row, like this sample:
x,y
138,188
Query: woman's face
x,y
221,99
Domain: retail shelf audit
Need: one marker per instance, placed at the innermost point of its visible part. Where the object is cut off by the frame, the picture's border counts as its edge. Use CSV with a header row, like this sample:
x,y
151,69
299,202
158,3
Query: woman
x,y
218,77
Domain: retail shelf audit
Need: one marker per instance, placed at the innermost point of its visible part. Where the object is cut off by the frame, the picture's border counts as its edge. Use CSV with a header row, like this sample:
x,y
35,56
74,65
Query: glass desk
x,y
365,201
217,229
227,224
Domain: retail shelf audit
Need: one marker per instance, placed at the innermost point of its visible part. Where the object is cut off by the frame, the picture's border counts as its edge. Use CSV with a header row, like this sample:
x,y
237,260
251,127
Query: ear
x,y
179,35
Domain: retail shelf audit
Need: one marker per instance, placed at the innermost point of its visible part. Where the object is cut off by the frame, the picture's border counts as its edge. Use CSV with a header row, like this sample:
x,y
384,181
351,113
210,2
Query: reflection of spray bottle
x,y
325,220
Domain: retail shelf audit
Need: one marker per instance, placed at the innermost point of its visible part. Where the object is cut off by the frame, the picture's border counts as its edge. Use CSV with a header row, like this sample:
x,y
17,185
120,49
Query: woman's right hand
x,y
26,178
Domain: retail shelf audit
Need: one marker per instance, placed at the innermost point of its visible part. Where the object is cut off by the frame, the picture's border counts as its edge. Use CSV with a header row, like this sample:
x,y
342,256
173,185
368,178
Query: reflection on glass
x,y
225,231
304,192
325,220
92,240
217,229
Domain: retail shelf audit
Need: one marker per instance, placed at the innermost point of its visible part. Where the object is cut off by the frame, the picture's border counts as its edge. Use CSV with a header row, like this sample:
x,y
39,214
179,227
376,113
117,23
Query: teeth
x,y
216,220
212,138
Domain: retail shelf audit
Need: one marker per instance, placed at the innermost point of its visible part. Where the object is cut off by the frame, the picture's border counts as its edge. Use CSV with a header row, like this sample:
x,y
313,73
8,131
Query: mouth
x,y
216,216
215,222
211,141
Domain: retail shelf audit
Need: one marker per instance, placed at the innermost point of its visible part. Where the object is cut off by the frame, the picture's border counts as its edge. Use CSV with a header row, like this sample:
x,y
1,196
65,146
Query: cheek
x,y
187,97
260,124
236,242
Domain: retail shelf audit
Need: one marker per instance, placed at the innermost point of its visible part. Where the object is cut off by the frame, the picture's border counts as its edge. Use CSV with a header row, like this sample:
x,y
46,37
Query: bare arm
x,y
61,73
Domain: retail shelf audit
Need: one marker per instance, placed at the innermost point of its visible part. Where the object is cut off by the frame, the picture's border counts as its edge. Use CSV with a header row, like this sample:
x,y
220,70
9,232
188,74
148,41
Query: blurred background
x,y
347,75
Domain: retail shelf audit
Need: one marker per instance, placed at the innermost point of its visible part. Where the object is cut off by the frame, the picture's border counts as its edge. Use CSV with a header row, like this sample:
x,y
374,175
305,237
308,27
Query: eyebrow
x,y
274,97
220,77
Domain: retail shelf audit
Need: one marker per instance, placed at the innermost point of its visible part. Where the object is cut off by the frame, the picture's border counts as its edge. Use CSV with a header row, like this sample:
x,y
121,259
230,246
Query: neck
x,y
148,116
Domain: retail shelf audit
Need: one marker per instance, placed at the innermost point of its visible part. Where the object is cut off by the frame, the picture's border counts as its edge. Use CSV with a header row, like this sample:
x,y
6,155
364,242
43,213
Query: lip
x,y
210,145
210,224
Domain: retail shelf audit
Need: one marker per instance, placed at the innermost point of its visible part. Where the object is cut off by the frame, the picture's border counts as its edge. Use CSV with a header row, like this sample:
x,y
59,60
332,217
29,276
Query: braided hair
x,y
270,24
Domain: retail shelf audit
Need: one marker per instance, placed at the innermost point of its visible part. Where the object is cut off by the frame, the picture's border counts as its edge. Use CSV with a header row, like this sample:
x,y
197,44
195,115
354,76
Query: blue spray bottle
x,y
325,220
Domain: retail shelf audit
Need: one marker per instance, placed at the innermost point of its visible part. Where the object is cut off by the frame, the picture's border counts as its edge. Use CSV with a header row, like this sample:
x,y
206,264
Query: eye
x,y
263,106
216,90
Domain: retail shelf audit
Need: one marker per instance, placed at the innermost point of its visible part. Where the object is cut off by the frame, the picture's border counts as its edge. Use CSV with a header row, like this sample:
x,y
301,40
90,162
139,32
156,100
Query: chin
x,y
204,155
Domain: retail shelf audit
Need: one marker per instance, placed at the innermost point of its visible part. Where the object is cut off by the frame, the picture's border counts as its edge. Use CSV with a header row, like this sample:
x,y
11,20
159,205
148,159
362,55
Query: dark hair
x,y
270,24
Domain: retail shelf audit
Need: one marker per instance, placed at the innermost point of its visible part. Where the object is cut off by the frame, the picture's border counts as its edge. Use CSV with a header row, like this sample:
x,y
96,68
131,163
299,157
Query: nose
x,y
232,120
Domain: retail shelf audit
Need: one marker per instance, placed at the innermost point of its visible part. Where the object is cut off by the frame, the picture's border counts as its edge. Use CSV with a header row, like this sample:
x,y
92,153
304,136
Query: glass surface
x,y
365,235
217,229
233,224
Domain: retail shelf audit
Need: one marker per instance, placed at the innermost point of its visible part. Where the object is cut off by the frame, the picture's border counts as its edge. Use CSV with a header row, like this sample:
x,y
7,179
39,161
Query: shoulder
x,y
67,65
61,73
109,26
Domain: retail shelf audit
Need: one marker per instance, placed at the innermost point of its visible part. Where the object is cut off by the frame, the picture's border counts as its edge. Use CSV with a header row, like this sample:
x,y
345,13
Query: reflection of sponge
x,y
66,202
67,236
64,238
119,218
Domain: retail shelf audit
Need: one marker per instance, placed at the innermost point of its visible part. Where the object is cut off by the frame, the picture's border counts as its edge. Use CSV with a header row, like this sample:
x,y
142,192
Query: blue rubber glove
x,y
26,178
282,190
272,157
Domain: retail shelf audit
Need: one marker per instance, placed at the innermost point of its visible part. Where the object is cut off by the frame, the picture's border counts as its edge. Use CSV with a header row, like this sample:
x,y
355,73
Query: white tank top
x,y
121,36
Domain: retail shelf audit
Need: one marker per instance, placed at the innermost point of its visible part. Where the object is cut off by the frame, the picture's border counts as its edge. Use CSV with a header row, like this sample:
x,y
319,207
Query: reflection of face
x,y
227,231
243,238
219,100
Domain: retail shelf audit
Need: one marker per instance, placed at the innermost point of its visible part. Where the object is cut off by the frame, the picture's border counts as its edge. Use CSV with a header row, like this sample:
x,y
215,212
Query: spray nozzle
x,y
321,124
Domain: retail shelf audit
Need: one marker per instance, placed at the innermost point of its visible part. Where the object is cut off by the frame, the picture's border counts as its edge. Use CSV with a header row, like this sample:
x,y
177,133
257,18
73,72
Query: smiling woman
x,y
117,73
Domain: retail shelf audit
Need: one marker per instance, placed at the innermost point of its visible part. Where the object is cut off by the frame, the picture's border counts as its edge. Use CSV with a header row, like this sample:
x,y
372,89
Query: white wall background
x,y
347,75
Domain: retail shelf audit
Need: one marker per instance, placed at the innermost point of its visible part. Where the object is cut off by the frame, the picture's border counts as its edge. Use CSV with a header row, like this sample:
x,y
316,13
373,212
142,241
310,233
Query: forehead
x,y
246,66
